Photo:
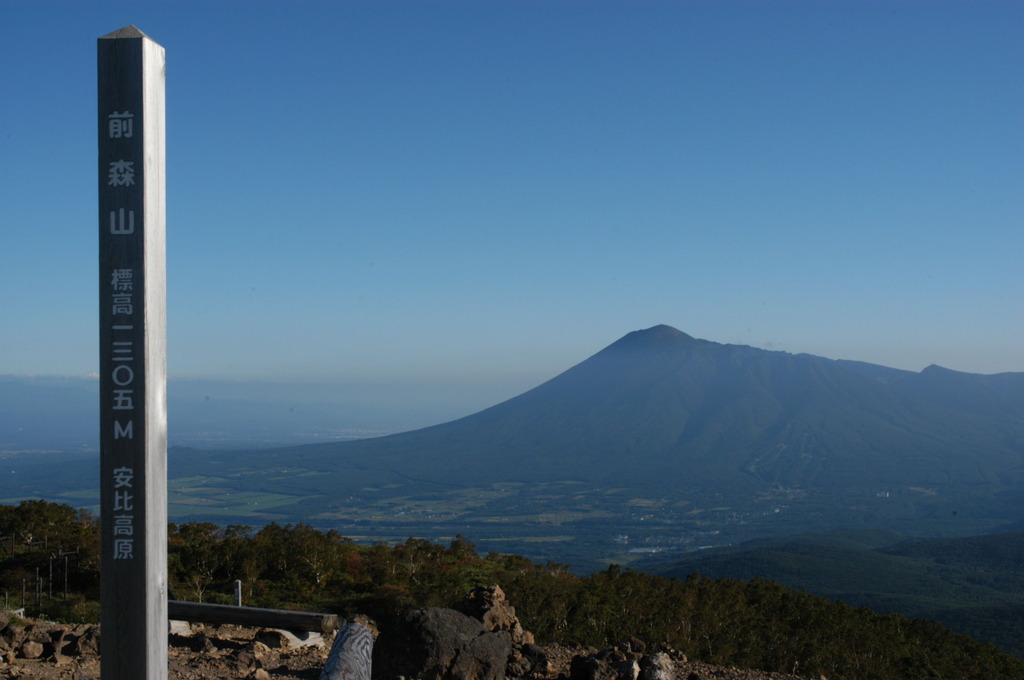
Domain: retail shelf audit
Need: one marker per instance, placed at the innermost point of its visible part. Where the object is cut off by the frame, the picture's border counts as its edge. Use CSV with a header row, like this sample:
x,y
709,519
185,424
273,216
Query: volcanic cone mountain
x,y
659,409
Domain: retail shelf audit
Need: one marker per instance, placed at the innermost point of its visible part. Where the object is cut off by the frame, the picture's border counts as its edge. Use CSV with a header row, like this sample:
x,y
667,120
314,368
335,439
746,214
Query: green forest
x,y
49,563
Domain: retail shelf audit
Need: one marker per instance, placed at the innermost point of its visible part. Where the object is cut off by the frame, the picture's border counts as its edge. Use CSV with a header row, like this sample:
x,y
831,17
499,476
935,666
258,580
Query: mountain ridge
x,y
779,418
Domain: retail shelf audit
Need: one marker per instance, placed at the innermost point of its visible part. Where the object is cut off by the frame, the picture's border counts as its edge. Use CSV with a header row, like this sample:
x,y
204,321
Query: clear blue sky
x,y
488,192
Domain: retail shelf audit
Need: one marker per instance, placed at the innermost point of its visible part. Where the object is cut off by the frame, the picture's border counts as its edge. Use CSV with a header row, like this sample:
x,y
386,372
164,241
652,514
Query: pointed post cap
x,y
126,32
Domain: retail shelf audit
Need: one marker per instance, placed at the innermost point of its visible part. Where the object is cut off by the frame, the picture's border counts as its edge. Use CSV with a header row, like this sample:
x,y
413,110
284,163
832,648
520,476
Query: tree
x,y
195,553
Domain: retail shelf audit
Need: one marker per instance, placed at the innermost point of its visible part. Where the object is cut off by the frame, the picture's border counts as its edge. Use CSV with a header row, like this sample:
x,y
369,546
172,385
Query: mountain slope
x,y
659,408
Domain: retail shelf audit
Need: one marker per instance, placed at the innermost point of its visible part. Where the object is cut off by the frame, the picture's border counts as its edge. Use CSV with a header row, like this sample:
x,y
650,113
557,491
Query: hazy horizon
x,y
231,413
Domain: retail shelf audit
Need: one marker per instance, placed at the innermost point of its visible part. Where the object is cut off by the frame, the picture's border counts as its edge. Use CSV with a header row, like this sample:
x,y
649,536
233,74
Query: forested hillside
x,y
730,622
972,584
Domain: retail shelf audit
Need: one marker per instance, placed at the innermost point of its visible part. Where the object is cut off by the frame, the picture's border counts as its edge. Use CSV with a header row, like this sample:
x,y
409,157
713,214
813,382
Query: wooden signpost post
x,y
133,363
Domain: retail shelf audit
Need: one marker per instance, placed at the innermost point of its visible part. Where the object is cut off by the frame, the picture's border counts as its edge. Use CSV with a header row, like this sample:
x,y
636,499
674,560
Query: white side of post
x,y
154,78
133,357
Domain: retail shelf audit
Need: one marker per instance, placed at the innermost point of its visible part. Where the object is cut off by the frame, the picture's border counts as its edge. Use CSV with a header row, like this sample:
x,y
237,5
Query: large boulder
x,y
423,643
441,644
484,658
480,638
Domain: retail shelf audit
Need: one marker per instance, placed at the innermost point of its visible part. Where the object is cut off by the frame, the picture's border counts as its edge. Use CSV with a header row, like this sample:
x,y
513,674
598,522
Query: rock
x,y
537,656
623,662
490,607
202,644
529,659
263,655
53,650
272,638
183,628
260,674
657,666
590,668
611,655
520,636
632,646
366,622
60,660
627,669
284,639
246,663
86,644
304,638
423,643
30,649
8,634
484,658
252,657
37,633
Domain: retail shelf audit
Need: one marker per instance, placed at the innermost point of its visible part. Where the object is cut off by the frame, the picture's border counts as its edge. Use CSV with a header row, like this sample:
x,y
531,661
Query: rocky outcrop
x,y
490,606
480,638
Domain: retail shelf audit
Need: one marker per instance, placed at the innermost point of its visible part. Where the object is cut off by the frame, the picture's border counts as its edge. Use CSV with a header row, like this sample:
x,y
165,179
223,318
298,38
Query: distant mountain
x,y
973,585
660,409
658,442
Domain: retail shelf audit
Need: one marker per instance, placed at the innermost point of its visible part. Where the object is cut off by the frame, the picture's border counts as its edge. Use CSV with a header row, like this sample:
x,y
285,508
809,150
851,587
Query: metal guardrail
x,y
256,617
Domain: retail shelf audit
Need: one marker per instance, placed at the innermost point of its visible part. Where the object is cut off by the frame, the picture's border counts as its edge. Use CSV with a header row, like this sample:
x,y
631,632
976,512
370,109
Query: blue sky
x,y
477,195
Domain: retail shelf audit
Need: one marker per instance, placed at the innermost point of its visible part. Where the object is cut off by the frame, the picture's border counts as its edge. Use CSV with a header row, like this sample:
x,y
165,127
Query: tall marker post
x,y
133,357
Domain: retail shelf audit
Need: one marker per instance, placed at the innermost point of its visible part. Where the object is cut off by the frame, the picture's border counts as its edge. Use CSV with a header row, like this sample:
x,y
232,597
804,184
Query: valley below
x,y
574,521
